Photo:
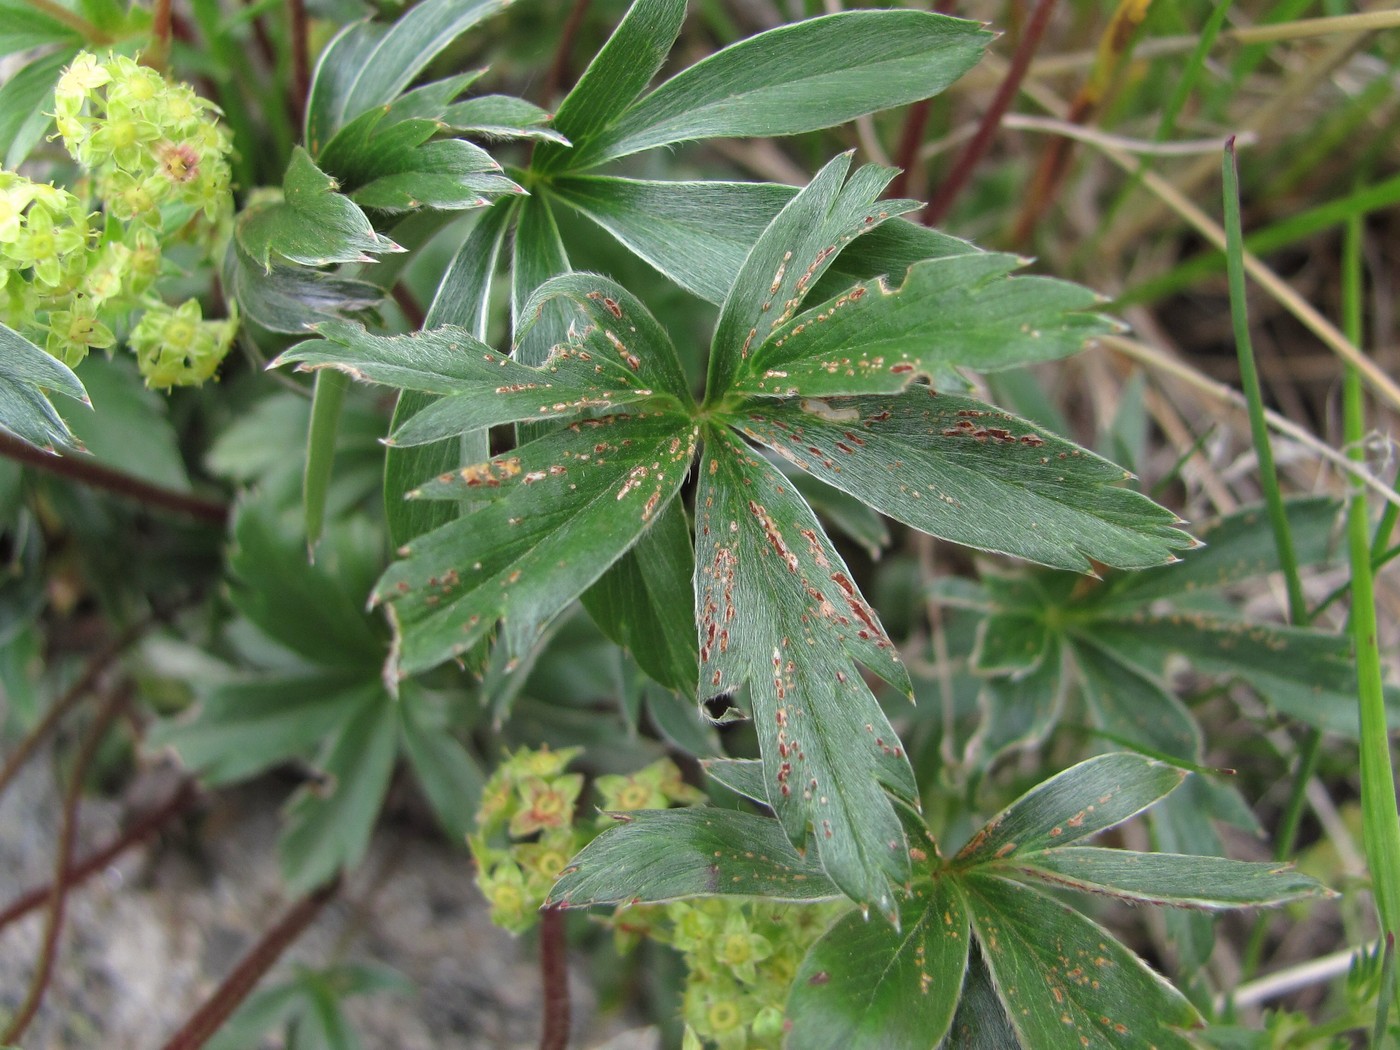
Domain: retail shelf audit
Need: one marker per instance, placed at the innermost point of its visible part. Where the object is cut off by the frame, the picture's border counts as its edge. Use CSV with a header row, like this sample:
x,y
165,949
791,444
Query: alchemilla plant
x,y
647,423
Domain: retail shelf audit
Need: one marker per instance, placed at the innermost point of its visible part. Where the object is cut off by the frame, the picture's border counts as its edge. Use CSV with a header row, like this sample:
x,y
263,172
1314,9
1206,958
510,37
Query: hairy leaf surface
x,y
661,855
27,375
562,509
777,610
967,472
796,78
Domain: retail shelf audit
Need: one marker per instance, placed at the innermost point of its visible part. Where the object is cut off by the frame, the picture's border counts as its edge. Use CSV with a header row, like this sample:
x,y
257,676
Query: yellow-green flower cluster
x,y
154,147
525,833
741,957
78,270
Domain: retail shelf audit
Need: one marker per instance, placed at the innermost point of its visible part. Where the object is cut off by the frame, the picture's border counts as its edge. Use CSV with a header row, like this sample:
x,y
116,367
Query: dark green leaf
x,y
612,325
1306,674
293,299
501,117
329,822
845,513
1064,981
966,472
26,103
795,78
741,775
129,428
449,776
27,374
1170,878
462,299
1019,712
963,310
792,253
22,28
317,611
314,224
866,983
660,855
326,402
981,1022
1010,643
617,75
244,727
559,517
485,388
537,255
643,602
1134,707
1237,548
369,65
694,233
1085,799
777,609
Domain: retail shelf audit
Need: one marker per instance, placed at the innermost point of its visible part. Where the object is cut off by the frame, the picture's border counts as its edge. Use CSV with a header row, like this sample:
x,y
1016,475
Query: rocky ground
x,y
146,940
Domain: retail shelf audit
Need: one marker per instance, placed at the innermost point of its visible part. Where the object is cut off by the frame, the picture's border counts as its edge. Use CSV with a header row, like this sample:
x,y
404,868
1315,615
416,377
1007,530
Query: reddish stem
x,y
973,152
93,474
58,891
244,978
179,801
558,77
301,59
554,975
910,139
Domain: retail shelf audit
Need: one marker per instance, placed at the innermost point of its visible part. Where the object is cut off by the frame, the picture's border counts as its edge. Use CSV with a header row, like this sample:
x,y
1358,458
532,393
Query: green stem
x,y
320,449
1380,819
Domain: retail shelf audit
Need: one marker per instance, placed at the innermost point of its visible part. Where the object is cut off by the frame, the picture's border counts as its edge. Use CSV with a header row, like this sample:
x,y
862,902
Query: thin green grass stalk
x,y
320,449
1273,501
1249,380
1380,819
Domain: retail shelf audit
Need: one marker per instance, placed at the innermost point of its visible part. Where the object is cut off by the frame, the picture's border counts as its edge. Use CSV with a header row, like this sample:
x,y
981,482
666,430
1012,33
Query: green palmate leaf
x,y
502,117
1019,712
1169,878
642,602
661,855
1010,643
449,776
616,76
793,252
563,508
777,610
741,775
981,1022
963,311
795,78
1306,674
966,472
537,255
316,611
368,65
613,327
484,388
329,822
27,105
1087,798
293,299
694,233
698,233
1237,548
27,376
242,728
844,513
866,984
314,224
1066,982
1133,707
400,166
462,299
